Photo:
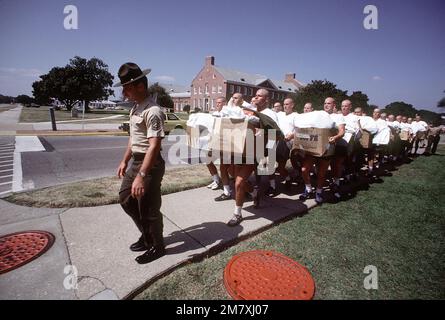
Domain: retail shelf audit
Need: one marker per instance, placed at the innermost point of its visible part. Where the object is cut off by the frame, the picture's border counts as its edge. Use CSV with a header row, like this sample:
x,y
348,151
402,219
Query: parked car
x,y
171,121
32,105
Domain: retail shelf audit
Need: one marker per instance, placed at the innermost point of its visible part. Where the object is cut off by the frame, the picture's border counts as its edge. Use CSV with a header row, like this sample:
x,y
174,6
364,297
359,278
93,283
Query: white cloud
x,y
168,79
377,78
20,72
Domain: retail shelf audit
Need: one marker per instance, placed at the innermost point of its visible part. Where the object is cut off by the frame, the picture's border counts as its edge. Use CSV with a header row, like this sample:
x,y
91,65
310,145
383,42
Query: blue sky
x,y
323,39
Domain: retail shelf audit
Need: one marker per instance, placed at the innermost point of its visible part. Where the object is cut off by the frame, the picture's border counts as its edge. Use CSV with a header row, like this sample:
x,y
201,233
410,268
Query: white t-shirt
x,y
338,119
271,114
351,122
381,124
393,124
286,122
419,126
406,127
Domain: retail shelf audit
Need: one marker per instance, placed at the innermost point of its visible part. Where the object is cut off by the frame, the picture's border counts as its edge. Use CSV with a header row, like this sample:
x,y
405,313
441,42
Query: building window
x,y
214,76
199,90
232,89
194,90
219,89
213,89
207,88
251,92
245,91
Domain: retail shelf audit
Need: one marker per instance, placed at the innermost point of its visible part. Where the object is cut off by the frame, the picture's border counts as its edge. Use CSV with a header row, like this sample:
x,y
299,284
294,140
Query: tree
x,y
6,99
187,108
359,99
441,103
80,80
401,108
316,92
161,96
24,99
430,116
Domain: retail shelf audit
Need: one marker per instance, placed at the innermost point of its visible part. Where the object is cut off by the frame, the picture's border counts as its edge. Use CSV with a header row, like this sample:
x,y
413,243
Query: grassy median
x,y
104,191
398,226
41,114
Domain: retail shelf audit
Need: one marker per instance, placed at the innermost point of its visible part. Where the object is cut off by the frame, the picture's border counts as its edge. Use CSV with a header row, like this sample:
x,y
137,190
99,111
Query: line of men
x,y
347,161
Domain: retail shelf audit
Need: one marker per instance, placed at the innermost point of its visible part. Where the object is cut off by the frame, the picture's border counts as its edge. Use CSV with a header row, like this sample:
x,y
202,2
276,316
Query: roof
x,y
254,79
175,88
180,95
239,76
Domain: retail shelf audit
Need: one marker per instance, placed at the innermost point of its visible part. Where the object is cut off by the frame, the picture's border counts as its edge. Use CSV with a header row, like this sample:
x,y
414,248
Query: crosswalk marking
x,y
6,168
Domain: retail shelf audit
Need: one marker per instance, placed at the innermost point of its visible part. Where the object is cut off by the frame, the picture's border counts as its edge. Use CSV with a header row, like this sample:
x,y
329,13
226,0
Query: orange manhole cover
x,y
267,275
19,248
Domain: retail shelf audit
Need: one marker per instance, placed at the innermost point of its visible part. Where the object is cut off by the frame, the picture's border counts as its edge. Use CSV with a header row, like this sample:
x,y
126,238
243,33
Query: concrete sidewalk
x,y
95,240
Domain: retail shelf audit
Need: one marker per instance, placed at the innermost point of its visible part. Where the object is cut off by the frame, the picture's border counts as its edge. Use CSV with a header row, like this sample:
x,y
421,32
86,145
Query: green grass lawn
x,y
397,226
6,107
103,191
42,115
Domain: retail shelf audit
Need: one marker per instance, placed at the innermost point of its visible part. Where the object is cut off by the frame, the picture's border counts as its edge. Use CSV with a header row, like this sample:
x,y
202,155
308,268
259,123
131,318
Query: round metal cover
x,y
19,248
267,275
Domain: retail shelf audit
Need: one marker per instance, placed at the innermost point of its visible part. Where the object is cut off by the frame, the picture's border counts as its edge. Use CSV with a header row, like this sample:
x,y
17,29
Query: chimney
x,y
289,77
210,61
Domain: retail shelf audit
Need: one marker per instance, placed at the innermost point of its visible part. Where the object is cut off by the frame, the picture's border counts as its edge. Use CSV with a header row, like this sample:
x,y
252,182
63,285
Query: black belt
x,y
138,156
141,156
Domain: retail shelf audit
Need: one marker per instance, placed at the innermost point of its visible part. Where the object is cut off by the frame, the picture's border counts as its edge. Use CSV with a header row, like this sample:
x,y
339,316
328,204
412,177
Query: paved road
x,y
68,159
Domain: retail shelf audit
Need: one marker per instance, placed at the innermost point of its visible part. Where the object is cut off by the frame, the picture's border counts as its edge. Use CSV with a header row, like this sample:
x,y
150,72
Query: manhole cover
x,y
267,275
19,248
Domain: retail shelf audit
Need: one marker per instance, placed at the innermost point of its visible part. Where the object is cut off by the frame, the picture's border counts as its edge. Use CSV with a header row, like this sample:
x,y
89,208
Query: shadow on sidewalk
x,y
203,235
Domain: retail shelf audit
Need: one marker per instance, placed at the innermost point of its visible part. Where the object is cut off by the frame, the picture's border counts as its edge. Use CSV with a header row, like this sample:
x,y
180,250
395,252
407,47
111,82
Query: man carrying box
x,y
322,161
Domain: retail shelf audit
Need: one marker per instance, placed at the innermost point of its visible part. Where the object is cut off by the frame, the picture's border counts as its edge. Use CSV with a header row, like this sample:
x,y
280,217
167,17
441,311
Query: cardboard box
x,y
229,137
366,139
404,135
314,141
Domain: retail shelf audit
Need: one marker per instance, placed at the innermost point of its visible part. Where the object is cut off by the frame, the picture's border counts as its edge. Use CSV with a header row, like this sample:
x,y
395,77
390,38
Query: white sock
x,y
227,190
237,211
216,178
370,168
309,188
272,183
319,190
337,181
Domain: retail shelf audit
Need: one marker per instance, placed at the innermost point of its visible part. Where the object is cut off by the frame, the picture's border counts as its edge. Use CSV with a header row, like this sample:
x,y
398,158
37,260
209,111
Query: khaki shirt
x,y
146,121
434,131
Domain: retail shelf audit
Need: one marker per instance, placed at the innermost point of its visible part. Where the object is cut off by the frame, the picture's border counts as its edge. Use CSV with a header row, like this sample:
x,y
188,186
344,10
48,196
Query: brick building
x,y
179,94
213,82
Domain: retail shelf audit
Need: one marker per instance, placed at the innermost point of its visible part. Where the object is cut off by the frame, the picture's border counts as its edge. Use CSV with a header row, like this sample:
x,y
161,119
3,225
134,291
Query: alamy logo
x,y
371,21
70,281
371,281
71,20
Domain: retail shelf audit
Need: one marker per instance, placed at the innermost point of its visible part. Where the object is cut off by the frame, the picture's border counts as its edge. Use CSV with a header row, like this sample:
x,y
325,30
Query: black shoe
x,y
236,220
319,198
272,192
305,195
223,197
150,255
288,184
139,245
336,191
